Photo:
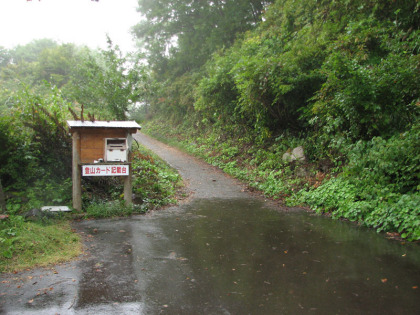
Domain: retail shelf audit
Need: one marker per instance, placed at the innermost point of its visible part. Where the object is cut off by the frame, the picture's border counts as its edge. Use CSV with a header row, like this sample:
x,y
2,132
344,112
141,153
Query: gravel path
x,y
202,179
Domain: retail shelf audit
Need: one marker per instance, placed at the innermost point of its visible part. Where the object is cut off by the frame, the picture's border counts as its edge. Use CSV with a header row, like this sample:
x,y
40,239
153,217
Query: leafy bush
x,y
393,163
154,183
379,186
372,81
16,154
36,149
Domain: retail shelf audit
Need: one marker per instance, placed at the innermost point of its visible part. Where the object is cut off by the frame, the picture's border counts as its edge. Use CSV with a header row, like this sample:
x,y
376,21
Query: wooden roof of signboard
x,y
78,124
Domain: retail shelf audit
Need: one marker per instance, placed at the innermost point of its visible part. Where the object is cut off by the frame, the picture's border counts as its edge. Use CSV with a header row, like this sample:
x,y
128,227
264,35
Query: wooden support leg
x,y
77,176
128,182
128,188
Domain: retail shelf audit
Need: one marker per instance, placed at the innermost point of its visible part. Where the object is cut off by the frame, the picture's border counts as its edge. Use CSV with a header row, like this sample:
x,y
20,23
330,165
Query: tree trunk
x,y
2,199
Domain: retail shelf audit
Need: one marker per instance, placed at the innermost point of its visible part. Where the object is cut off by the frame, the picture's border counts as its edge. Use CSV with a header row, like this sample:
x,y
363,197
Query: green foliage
x,y
8,235
36,149
372,82
15,151
30,52
379,186
176,98
46,119
55,64
345,71
35,144
5,56
217,95
48,191
180,35
393,163
34,64
107,83
339,78
155,183
28,244
110,209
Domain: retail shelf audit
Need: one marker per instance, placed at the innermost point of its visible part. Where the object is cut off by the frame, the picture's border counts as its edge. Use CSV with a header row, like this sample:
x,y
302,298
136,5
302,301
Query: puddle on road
x,y
240,257
108,279
236,257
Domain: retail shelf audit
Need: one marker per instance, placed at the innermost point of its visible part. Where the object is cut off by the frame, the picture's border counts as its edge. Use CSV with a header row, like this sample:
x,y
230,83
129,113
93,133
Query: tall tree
x,y
31,51
107,82
5,57
180,35
55,64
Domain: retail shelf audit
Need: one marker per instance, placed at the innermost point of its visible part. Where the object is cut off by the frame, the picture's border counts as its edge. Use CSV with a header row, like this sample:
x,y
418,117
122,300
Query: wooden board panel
x,y
92,142
89,155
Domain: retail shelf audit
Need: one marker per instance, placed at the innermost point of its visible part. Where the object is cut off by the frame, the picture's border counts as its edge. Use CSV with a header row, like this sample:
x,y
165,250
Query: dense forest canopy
x,y
341,78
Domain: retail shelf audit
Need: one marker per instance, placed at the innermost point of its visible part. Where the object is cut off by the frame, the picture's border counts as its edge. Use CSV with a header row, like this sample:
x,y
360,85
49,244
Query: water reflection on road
x,y
236,256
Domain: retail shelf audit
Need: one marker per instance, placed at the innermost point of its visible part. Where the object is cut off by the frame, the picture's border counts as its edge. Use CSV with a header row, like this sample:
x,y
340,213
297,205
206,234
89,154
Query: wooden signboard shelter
x,y
101,148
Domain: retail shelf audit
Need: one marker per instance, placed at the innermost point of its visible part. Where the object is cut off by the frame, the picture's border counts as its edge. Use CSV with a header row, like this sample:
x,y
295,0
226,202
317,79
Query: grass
x,y
36,244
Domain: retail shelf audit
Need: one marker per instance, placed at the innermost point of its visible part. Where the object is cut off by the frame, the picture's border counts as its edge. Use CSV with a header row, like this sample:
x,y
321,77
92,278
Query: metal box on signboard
x,y
116,150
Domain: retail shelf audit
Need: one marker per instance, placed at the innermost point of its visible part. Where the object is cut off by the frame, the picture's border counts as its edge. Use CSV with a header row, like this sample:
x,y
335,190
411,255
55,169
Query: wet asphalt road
x,y
222,251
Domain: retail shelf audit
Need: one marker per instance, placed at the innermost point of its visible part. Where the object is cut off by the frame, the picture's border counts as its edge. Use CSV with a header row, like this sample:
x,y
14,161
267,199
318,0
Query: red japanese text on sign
x,y
105,170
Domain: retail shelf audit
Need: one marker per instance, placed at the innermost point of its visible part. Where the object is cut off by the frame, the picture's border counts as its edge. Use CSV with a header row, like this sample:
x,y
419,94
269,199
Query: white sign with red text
x,y
105,170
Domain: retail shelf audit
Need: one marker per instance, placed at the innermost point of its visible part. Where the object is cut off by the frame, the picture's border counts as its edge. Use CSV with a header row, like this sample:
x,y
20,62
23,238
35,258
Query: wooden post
x,y
77,176
128,184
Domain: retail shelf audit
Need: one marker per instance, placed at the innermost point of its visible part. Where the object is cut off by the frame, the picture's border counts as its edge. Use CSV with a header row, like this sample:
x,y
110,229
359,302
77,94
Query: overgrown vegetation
x,y
340,79
27,244
379,186
40,91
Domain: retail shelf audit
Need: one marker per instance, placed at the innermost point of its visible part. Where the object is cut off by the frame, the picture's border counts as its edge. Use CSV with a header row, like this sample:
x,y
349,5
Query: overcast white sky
x,y
83,22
